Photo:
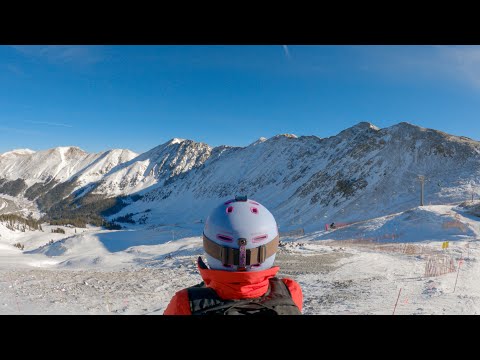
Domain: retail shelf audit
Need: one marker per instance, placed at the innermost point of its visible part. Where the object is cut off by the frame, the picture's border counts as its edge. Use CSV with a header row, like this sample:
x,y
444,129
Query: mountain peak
x,y
405,124
364,125
67,148
406,127
259,141
69,151
359,128
175,141
289,136
18,152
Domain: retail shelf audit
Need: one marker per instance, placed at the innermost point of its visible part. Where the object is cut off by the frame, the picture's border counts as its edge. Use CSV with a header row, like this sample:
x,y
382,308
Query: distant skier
x,y
332,225
240,240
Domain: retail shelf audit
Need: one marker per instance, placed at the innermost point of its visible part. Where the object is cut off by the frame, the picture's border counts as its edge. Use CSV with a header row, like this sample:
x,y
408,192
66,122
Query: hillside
x,y
306,181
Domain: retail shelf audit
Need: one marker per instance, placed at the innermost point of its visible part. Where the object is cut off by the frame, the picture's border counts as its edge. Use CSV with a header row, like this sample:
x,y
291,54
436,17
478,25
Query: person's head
x,y
240,235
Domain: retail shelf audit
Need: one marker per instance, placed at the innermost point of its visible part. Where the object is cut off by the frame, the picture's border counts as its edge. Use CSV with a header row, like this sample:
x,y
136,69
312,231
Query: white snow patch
x,y
176,141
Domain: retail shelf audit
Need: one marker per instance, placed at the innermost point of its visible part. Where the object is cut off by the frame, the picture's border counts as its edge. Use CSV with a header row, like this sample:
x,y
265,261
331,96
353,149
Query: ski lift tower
x,y
422,182
472,189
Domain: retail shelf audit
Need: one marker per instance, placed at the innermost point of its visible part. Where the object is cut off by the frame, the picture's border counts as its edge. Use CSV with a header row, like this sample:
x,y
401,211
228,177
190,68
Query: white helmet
x,y
240,235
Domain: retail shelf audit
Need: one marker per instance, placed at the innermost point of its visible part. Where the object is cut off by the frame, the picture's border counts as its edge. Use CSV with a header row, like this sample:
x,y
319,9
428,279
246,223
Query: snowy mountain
x,y
102,165
59,163
18,152
156,166
21,170
361,173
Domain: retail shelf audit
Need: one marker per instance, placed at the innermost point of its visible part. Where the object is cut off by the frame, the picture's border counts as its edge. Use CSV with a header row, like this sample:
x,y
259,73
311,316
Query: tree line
x,y
15,222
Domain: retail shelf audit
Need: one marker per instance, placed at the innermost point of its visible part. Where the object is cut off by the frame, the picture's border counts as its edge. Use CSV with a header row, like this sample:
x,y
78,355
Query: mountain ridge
x,y
304,180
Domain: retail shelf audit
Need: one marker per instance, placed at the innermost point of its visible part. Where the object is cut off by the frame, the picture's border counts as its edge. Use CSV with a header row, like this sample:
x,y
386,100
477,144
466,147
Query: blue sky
x,y
137,97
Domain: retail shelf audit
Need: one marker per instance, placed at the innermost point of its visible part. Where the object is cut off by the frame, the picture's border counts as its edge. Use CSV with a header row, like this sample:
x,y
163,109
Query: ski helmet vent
x,y
229,209
224,238
254,210
259,238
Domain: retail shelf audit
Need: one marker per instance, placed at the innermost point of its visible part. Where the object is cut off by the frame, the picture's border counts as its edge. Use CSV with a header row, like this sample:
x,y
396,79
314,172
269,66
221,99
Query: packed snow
x,y
360,268
363,245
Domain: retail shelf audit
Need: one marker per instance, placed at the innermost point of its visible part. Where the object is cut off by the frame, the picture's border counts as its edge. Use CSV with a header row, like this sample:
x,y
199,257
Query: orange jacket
x,y
234,285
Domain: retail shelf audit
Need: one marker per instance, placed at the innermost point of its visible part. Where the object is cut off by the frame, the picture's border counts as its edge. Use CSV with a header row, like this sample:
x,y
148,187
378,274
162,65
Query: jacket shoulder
x,y
295,291
179,304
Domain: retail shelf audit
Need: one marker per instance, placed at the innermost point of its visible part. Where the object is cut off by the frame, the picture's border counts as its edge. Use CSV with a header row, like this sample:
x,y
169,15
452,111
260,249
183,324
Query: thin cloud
x,y
287,52
48,123
15,70
20,131
62,54
441,62
462,62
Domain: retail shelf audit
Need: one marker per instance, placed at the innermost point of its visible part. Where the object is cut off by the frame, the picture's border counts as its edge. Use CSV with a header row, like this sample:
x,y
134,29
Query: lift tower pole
x,y
422,182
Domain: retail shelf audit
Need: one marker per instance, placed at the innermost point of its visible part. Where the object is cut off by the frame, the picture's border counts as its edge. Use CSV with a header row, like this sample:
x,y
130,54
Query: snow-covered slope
x,y
17,152
423,223
91,270
361,173
59,165
306,181
102,165
155,166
